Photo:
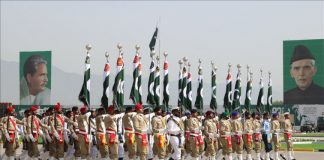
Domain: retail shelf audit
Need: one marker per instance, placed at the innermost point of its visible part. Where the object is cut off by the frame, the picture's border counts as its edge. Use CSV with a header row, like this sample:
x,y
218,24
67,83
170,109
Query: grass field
x,y
315,146
308,135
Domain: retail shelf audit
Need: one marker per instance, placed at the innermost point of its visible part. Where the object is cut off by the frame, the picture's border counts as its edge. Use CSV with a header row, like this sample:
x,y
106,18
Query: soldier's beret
x,y
33,108
110,108
235,113
275,114
209,112
301,52
225,114
57,106
83,110
193,111
10,109
138,106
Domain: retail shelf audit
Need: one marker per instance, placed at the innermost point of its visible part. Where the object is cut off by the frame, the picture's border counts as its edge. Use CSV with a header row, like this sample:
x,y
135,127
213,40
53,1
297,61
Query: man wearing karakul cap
x,y
302,70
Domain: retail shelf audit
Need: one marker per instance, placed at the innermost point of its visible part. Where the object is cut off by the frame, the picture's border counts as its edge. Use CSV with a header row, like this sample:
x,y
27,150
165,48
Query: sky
x,y
236,32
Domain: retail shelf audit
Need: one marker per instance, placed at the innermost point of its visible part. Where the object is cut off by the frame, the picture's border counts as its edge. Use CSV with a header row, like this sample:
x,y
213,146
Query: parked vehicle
x,y
320,124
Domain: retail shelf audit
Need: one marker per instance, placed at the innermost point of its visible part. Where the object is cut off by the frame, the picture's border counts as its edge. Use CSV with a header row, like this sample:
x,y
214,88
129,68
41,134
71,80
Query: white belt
x,y
110,132
84,133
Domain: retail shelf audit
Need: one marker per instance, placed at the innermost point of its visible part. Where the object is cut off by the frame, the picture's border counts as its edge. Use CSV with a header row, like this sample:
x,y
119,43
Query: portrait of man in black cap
x,y
302,70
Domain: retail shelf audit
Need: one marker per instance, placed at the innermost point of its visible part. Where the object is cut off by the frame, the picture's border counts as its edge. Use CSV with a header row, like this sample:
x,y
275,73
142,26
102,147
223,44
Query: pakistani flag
x,y
199,103
139,83
156,87
260,103
248,93
84,95
180,88
228,93
105,94
150,95
213,101
269,99
166,94
153,40
184,86
134,94
237,93
189,93
118,87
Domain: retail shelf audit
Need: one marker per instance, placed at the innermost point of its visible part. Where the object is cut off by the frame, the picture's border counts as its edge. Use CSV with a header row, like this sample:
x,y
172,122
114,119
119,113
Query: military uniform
x,y
141,126
175,128
226,140
111,135
196,138
187,136
288,137
129,135
257,137
237,130
84,138
74,133
101,137
275,128
210,131
159,130
266,137
247,137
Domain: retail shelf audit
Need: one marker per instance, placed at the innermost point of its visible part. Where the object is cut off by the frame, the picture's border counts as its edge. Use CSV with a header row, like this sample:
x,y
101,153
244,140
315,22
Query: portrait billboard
x,y
303,71
35,78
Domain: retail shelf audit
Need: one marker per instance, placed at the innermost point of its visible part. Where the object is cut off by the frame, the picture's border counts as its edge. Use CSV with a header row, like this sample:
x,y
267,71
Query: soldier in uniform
x,y
247,136
287,127
266,134
159,131
129,134
210,131
275,129
196,138
111,133
257,137
74,133
175,128
237,129
24,153
141,125
10,131
84,138
101,134
225,134
33,127
187,134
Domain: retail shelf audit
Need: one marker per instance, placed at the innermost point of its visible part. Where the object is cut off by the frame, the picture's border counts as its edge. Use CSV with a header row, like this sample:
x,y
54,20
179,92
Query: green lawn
x,y
304,146
308,135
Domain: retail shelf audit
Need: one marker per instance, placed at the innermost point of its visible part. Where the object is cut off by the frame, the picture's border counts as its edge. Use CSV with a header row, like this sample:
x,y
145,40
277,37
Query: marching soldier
x,y
33,128
101,134
266,135
84,137
10,132
237,129
149,116
75,132
257,137
288,135
275,129
159,130
210,131
129,134
111,133
196,138
175,130
225,134
141,125
24,153
92,121
247,137
187,134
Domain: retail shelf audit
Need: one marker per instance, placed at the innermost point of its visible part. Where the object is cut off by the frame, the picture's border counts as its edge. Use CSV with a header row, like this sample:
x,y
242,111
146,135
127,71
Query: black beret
x,y
301,52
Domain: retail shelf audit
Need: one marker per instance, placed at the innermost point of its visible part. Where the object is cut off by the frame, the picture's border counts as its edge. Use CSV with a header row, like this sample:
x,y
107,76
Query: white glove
x,y
8,137
49,139
31,137
67,131
56,135
75,136
41,133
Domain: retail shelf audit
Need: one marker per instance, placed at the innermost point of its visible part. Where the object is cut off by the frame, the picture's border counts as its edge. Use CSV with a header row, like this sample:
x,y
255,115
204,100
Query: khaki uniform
x,y
10,132
159,133
257,136
225,134
248,134
111,136
49,136
237,130
129,135
210,132
33,126
187,136
196,139
101,137
74,133
141,126
84,138
275,128
288,134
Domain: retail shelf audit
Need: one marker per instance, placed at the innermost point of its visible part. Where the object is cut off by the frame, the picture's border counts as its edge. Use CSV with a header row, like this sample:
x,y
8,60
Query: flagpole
x,y
88,48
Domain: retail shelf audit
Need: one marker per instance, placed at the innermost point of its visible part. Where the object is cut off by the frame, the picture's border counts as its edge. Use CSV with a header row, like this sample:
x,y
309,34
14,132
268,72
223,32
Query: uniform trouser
x,y
267,143
196,149
51,148
59,148
227,148
289,143
11,148
77,152
102,147
113,148
237,144
130,144
84,146
159,146
33,149
257,142
248,143
142,150
175,142
276,143
211,147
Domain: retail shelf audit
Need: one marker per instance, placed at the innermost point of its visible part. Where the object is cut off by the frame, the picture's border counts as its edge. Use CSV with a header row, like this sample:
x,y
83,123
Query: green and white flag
x,y
84,95
156,87
199,103
228,92
237,92
260,102
248,93
166,93
180,97
118,88
150,90
134,94
269,99
184,86
189,93
213,101
139,82
105,94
